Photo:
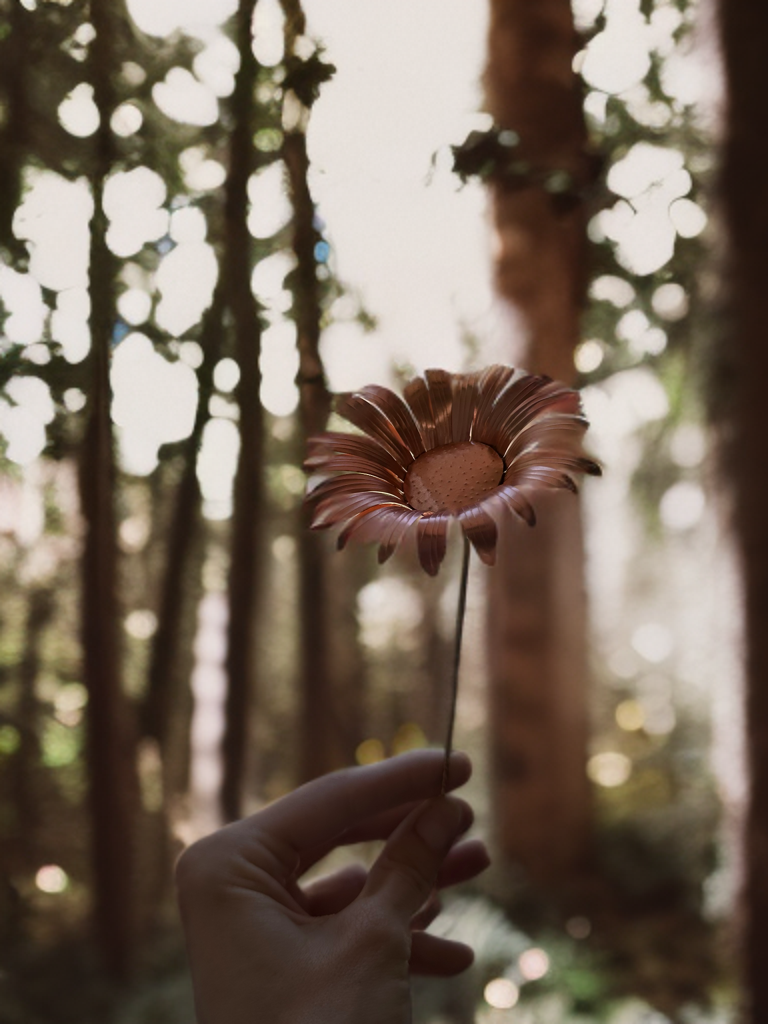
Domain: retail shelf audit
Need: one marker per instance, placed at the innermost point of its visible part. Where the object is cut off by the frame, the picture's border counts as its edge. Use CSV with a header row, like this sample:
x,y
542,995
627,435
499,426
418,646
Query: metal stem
x,y
456,660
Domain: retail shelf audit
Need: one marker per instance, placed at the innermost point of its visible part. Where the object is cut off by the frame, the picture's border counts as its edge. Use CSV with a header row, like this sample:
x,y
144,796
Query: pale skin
x,y
340,950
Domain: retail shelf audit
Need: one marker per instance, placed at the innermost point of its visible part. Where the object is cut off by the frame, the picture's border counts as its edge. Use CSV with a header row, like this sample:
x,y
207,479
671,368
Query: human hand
x,y
341,949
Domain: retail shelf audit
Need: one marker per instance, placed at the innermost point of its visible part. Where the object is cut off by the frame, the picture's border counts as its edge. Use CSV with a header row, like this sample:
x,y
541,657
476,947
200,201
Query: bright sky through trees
x,y
405,236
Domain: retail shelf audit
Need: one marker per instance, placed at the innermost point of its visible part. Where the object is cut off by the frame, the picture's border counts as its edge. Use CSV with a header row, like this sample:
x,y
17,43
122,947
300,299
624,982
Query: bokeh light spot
x,y
630,715
670,301
410,736
141,624
533,964
51,879
588,356
270,207
688,218
501,994
78,113
185,99
226,375
682,505
390,610
609,769
609,288
126,120
370,752
653,642
688,445
201,173
188,225
660,718
134,305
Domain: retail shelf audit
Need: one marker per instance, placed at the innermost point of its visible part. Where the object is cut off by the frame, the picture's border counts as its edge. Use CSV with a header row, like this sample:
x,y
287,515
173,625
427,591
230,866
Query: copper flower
x,y
462,445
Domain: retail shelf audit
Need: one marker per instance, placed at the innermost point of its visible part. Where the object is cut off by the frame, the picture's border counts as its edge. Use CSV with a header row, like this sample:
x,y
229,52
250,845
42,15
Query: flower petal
x,y
343,507
520,410
399,415
372,421
481,530
441,400
465,392
319,448
432,541
510,497
492,382
493,423
537,476
549,458
397,530
350,483
351,464
563,431
416,395
336,499
376,524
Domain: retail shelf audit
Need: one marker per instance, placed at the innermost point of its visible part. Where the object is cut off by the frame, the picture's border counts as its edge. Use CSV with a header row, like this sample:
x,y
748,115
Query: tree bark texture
x,y
244,573
537,645
318,753
111,743
744,193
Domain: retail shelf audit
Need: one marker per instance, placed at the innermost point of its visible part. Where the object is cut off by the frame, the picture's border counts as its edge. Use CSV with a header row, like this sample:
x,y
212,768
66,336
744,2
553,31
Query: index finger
x,y
322,810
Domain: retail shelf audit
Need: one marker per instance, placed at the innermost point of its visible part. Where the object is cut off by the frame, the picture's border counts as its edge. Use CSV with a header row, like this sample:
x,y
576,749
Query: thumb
x,y
405,872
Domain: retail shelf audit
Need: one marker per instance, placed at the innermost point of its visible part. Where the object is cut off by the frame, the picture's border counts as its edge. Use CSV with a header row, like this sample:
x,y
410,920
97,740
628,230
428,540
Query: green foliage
x,y
9,740
494,155
61,745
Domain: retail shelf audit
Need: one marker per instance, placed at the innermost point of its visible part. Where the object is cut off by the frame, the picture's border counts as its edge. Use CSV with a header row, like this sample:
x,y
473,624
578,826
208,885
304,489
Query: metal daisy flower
x,y
467,446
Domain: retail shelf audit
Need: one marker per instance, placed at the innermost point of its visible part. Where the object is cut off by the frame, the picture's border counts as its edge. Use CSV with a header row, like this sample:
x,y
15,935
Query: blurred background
x,y
214,215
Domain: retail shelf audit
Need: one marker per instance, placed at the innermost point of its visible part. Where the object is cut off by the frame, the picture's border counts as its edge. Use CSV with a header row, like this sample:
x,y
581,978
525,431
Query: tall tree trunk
x,y
318,747
26,763
111,746
536,602
14,130
744,32
163,681
347,574
247,514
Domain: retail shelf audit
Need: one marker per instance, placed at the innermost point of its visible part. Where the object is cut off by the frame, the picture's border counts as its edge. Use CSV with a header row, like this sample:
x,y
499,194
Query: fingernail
x,y
440,823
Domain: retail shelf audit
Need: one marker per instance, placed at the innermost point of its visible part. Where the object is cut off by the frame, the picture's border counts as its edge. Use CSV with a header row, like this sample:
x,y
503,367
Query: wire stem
x,y
462,606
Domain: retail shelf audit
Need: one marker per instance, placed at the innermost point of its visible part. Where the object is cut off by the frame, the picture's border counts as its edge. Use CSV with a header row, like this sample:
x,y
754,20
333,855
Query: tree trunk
x,y
347,574
163,682
14,129
111,746
318,751
538,708
247,514
26,763
744,32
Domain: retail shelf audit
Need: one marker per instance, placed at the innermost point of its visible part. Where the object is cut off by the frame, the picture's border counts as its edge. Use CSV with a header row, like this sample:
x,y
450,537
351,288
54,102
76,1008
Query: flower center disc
x,y
450,477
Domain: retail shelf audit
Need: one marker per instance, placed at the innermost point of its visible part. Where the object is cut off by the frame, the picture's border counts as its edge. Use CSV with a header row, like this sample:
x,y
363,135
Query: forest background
x,y
213,217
